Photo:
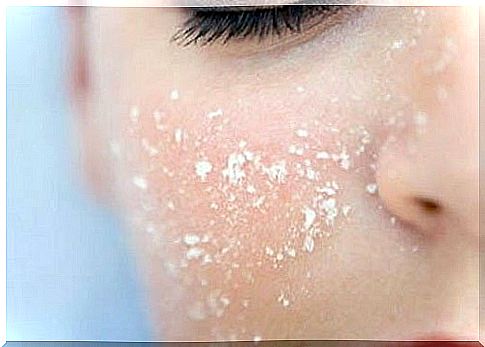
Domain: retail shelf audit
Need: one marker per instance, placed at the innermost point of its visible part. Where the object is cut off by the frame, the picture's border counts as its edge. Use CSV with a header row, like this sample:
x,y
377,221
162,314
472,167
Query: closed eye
x,y
209,25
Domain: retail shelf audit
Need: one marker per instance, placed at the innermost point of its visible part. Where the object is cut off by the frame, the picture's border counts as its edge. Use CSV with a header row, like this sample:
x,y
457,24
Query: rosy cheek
x,y
239,193
242,167
229,193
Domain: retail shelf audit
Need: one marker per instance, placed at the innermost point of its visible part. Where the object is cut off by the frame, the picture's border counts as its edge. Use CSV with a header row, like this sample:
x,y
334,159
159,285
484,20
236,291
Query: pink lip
x,y
444,337
438,339
436,344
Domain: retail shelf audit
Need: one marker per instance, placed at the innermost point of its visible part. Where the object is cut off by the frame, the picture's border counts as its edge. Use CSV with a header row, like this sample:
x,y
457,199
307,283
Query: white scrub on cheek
x,y
231,208
228,202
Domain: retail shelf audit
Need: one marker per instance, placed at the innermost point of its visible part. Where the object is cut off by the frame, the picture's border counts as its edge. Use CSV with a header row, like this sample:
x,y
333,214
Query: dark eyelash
x,y
208,25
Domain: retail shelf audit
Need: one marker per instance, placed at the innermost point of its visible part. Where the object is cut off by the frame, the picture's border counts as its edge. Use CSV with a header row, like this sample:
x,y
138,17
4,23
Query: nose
x,y
429,177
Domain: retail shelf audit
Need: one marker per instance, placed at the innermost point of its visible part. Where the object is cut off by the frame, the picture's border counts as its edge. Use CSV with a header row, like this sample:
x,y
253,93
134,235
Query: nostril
x,y
428,205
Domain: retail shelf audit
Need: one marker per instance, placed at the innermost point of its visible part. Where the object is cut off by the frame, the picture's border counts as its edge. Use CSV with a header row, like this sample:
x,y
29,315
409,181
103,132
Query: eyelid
x,y
242,3
231,8
267,3
207,26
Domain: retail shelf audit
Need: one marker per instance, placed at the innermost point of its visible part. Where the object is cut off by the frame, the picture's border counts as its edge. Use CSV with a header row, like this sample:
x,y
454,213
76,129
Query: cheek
x,y
236,194
242,186
255,181
268,172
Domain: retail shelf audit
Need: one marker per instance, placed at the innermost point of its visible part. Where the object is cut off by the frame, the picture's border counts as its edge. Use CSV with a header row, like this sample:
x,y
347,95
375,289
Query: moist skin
x,y
256,186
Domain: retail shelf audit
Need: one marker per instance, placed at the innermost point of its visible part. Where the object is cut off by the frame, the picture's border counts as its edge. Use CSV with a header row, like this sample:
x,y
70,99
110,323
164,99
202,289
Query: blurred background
x,y
69,272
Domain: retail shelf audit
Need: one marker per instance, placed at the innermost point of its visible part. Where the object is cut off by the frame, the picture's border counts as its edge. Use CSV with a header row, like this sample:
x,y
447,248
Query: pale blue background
x,y
69,273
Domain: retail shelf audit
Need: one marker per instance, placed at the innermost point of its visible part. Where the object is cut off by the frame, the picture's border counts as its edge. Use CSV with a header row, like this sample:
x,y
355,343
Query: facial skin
x,y
319,186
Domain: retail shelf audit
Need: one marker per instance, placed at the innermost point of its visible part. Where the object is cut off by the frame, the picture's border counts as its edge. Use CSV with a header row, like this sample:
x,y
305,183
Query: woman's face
x,y
321,184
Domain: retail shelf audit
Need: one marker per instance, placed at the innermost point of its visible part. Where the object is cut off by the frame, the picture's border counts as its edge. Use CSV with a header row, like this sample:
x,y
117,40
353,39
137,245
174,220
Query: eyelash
x,y
208,25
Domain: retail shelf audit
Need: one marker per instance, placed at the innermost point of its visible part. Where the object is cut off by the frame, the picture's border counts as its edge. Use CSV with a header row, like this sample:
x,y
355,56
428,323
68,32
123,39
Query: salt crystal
x,y
194,253
234,172
346,209
202,169
311,174
269,251
309,244
178,134
371,188
134,114
323,155
310,216
326,190
207,259
225,301
171,205
259,201
330,208
115,148
214,114
140,182
174,94
420,119
248,155
397,44
284,301
277,172
302,133
191,239
250,189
